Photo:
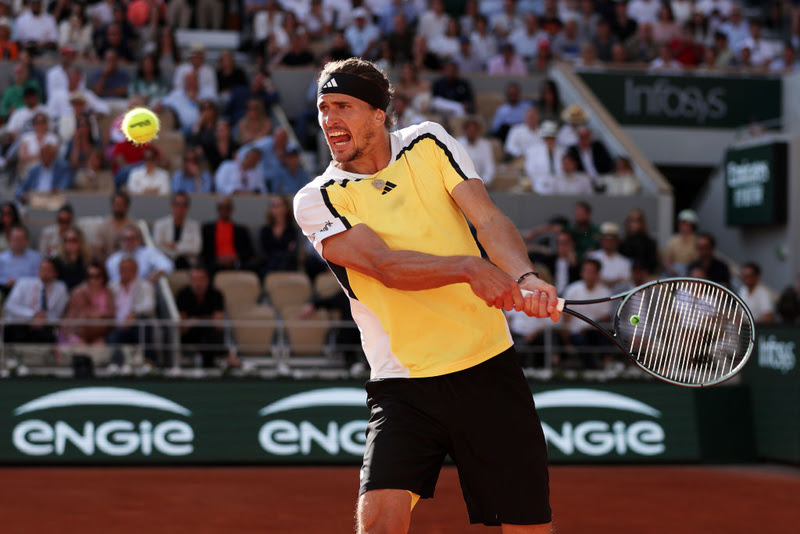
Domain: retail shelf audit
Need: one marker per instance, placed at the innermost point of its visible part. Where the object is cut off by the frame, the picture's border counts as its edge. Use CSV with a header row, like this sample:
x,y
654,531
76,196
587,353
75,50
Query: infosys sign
x,y
307,423
68,423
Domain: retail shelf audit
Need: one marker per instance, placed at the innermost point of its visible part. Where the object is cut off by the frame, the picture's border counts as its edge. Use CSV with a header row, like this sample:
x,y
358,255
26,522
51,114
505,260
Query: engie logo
x,y
300,435
615,434
73,431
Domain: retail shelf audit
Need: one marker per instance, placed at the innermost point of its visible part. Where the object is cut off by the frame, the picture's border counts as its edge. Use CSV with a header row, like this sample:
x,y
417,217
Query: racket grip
x,y
559,306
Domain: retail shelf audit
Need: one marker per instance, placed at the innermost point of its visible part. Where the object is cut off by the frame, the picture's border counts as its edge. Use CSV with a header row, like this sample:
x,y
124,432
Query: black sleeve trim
x,y
325,198
440,145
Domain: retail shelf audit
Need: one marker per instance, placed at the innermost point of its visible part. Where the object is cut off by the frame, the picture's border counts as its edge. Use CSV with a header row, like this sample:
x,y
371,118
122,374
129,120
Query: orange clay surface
x,y
278,500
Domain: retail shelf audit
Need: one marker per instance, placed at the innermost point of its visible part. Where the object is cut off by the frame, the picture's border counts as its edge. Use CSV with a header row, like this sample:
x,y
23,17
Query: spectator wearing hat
x,y
290,175
715,269
681,249
507,63
50,175
543,160
756,294
615,270
573,117
591,154
150,178
13,98
478,148
9,50
36,29
363,35
510,113
205,73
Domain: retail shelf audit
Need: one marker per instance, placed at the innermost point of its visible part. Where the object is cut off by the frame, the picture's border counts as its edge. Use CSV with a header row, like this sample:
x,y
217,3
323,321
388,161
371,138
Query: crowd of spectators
x,y
78,66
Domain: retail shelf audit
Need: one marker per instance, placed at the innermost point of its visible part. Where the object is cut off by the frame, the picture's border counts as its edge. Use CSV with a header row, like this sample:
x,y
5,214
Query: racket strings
x,y
689,332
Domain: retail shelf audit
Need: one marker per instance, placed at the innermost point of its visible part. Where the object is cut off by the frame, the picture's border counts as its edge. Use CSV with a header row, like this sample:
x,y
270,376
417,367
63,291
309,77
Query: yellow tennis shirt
x,y
408,334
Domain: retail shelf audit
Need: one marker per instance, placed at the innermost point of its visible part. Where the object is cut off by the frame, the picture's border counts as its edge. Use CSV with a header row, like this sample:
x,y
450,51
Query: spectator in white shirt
x,y
615,269
572,181
507,21
406,115
526,40
644,10
246,176
756,295
149,179
177,235
363,36
35,28
433,23
707,7
206,75
736,29
478,148
36,300
543,160
524,135
56,77
448,45
21,119
579,333
468,60
151,262
761,51
59,101
134,298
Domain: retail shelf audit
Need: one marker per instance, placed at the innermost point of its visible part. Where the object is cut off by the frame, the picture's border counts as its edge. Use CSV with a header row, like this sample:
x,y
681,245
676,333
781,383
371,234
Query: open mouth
x,y
339,138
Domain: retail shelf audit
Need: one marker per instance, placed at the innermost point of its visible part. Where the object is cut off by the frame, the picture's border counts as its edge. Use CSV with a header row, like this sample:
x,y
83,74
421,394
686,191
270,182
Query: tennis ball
x,y
140,125
634,320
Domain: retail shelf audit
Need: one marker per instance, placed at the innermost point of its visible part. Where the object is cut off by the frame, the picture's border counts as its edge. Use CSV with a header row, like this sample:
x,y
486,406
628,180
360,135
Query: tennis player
x,y
388,216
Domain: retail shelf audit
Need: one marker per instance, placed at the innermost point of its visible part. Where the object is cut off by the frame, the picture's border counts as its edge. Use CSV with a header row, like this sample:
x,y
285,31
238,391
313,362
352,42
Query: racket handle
x,y
559,305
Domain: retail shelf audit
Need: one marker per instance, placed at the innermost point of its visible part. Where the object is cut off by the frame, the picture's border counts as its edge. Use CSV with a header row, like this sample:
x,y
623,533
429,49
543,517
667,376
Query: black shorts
x,y
484,418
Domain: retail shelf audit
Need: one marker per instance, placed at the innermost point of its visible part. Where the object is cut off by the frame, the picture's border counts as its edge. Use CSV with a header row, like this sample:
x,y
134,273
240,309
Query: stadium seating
x,y
287,288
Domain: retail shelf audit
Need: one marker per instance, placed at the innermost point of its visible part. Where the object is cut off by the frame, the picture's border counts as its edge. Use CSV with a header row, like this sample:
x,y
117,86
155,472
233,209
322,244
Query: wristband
x,y
526,275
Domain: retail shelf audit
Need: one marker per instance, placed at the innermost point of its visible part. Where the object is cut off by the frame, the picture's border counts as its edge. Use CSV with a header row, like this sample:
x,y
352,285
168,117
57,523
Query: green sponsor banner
x,y
694,101
774,380
165,422
755,185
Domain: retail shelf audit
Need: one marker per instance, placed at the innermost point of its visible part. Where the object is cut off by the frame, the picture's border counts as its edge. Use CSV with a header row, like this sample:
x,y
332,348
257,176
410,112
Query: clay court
x,y
243,500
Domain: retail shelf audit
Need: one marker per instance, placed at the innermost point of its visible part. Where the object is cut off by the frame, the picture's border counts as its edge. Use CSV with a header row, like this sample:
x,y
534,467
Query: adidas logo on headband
x,y
331,83
355,86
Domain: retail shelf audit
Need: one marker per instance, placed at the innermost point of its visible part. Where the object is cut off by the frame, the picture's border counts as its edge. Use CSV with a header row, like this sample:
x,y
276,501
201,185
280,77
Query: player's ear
x,y
380,116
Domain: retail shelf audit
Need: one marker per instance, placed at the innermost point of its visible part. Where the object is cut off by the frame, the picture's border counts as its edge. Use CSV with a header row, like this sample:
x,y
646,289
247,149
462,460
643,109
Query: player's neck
x,y
374,159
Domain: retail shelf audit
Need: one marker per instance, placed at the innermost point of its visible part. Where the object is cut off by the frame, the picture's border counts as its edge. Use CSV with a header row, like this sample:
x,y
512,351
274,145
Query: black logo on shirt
x,y
388,187
327,226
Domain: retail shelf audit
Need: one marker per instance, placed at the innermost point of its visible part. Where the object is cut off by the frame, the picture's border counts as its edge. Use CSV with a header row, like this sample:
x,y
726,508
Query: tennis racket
x,y
684,331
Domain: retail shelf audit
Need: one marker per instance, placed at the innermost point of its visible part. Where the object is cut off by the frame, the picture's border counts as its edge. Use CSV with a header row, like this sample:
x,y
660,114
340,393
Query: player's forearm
x,y
504,246
410,270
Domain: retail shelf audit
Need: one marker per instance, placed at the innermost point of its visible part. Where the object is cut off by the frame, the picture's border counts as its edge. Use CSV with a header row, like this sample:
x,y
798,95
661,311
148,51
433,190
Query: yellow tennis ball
x,y
140,125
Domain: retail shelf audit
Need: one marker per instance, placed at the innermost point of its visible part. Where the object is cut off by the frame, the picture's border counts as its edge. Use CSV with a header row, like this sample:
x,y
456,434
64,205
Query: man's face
x,y
127,270
512,93
47,271
704,248
609,242
180,205
581,214
198,280
119,207
130,240
251,159
589,273
749,277
350,125
224,210
18,241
